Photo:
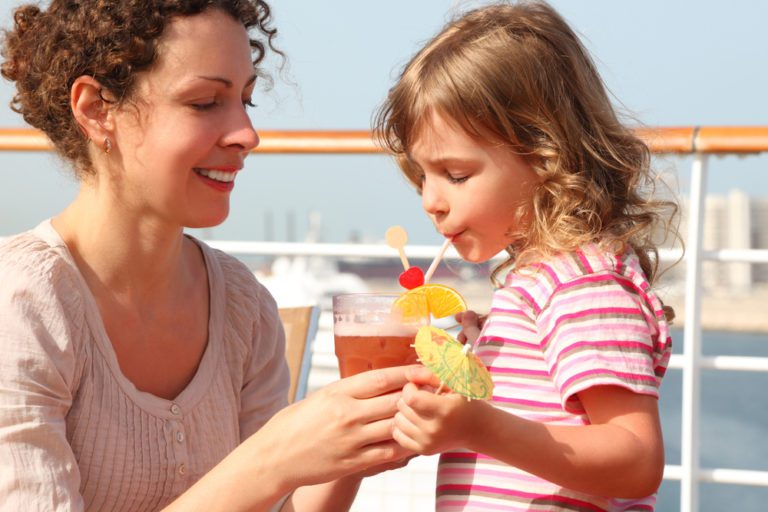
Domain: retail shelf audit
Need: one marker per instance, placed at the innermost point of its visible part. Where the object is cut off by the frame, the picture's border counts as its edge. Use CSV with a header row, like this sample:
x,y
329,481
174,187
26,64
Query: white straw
x,y
436,261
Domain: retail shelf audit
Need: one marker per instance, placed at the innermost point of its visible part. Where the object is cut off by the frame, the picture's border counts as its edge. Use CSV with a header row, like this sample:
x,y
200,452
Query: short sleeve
x,y
265,387
37,369
599,329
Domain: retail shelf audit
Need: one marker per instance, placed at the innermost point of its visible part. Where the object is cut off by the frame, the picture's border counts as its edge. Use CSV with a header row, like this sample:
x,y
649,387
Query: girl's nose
x,y
432,200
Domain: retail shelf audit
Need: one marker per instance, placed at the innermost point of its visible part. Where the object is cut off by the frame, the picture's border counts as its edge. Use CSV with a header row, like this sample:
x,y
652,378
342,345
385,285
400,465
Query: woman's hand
x,y
428,423
341,429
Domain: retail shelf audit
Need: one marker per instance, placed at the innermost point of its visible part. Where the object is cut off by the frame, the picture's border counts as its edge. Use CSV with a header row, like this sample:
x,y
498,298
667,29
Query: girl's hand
x,y
427,423
471,324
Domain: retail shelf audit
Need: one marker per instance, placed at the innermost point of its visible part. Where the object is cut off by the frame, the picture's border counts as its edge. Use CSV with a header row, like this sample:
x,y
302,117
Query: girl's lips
x,y
453,236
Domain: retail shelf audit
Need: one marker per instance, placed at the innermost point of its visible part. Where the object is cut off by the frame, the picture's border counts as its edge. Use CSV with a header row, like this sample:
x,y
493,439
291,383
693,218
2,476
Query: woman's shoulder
x,y
240,281
36,259
246,299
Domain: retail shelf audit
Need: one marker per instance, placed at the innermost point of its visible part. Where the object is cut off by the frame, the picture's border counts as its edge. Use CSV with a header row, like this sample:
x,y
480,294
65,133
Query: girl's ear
x,y
92,113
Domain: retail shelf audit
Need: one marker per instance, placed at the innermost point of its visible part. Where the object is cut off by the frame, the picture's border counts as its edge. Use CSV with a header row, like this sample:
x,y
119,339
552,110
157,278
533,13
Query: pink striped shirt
x,y
570,322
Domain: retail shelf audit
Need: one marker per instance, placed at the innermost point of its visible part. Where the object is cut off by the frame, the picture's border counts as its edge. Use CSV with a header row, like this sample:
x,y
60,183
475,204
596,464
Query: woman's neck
x,y
138,258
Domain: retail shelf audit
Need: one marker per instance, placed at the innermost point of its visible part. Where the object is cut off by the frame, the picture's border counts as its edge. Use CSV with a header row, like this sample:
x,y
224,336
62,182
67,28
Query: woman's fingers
x,y
373,383
422,377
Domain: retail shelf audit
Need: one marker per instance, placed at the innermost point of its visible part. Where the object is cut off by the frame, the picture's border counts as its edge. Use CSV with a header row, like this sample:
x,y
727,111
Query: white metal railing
x,y
691,362
699,142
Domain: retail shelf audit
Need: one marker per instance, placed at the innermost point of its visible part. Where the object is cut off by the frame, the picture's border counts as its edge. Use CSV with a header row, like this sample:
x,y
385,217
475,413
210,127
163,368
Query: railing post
x,y
689,484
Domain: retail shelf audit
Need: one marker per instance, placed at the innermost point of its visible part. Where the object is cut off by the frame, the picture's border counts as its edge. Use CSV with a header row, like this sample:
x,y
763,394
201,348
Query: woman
x,y
142,369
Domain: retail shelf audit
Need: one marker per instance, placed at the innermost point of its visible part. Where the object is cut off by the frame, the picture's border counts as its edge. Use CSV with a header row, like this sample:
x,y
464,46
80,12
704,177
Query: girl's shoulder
x,y
542,277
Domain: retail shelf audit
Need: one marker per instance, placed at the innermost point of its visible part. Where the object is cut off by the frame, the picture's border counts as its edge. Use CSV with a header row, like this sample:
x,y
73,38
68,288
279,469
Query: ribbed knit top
x,y
75,433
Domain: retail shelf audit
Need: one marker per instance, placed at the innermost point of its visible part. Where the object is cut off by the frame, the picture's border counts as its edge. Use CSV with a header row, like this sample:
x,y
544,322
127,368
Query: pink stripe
x,y
593,294
638,327
583,314
493,473
509,311
517,371
506,341
552,274
584,260
542,388
511,492
651,380
496,322
587,360
528,297
475,505
534,403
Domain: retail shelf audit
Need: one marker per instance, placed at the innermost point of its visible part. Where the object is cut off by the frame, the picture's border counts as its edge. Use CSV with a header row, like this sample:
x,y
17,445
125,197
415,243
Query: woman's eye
x,y
204,105
248,103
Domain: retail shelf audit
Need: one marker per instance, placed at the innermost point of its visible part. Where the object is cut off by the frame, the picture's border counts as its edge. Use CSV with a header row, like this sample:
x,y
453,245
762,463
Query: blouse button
x,y
175,409
182,469
180,436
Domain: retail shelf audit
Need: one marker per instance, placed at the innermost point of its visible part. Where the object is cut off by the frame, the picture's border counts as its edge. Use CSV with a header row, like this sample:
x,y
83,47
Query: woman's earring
x,y
107,145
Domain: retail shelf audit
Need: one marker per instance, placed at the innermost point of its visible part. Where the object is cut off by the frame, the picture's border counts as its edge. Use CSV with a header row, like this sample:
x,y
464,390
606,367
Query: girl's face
x,y
183,141
470,190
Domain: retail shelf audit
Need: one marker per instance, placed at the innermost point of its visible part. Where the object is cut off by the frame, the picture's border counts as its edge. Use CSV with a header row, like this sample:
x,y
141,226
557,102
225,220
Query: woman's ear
x,y
92,113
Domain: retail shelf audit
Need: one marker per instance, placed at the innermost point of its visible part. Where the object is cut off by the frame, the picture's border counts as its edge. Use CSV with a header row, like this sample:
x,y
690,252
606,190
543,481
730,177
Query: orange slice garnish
x,y
437,299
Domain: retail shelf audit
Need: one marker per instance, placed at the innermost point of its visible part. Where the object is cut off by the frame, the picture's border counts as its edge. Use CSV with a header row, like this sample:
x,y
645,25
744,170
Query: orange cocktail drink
x,y
371,332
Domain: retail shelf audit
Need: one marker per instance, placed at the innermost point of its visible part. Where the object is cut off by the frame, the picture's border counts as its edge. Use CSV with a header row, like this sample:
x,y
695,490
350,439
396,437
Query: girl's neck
x,y
122,251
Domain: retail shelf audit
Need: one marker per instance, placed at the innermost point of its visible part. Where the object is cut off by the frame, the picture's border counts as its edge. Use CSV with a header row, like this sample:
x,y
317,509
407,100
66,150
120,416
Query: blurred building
x,y
733,221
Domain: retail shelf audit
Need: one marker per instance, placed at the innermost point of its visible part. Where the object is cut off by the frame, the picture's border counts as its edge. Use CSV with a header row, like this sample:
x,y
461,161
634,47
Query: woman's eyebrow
x,y
227,83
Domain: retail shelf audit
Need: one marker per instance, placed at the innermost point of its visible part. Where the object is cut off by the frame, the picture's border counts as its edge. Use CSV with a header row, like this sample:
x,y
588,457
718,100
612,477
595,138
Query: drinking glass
x,y
371,332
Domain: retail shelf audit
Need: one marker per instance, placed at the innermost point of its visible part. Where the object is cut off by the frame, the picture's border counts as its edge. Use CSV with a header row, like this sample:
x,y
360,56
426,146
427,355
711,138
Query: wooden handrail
x,y
667,139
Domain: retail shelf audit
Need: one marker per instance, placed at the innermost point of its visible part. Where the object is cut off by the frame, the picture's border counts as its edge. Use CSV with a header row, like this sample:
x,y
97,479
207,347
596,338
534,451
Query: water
x,y
734,424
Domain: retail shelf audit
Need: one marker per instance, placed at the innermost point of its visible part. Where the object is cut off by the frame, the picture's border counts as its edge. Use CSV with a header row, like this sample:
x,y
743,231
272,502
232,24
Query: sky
x,y
667,63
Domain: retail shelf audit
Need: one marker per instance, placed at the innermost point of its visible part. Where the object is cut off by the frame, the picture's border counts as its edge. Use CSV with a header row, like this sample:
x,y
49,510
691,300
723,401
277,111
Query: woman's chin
x,y
208,221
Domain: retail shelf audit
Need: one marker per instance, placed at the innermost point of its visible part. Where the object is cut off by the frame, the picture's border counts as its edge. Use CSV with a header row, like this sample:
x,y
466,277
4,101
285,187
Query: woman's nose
x,y
242,133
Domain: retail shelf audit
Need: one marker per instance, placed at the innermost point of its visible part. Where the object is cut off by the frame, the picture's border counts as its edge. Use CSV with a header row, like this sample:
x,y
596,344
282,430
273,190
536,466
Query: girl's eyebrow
x,y
447,161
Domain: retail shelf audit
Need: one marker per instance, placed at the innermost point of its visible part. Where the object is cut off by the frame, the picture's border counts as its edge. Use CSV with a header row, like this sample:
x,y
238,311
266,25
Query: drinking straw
x,y
436,261
397,237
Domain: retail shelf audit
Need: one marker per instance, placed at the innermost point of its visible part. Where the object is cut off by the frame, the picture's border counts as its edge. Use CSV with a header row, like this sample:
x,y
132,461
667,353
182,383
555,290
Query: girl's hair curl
x,y
111,41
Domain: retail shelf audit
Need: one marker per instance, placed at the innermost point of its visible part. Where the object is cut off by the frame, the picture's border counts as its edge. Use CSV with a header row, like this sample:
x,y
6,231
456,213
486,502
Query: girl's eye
x,y
457,179
248,103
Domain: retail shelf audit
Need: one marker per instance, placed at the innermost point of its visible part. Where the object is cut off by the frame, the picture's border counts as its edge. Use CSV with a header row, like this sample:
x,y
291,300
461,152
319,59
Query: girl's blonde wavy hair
x,y
517,75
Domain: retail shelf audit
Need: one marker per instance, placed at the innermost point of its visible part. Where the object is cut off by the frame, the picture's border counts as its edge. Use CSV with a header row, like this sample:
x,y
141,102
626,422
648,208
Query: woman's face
x,y
183,140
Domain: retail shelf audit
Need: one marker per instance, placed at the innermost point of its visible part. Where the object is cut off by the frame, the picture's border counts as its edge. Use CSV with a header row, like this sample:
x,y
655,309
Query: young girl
x,y
140,368
504,126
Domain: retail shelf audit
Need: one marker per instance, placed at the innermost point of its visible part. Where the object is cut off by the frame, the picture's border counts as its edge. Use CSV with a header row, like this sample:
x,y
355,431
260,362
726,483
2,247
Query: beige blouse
x,y
75,433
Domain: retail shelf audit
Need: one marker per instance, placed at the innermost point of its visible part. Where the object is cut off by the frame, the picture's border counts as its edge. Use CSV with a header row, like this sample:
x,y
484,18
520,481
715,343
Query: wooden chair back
x,y
300,325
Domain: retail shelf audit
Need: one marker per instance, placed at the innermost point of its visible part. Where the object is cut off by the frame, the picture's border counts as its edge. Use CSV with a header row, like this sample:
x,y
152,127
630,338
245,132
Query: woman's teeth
x,y
222,176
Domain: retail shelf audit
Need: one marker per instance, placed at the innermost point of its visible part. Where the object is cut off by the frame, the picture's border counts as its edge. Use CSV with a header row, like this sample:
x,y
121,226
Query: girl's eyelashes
x,y
248,103
456,179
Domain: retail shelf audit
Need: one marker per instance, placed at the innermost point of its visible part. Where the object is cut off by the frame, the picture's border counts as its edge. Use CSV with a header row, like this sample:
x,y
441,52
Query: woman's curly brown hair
x,y
107,40
518,76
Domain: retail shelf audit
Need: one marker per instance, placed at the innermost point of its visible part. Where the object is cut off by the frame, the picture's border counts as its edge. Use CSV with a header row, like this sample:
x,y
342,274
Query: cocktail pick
x,y
397,237
436,261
